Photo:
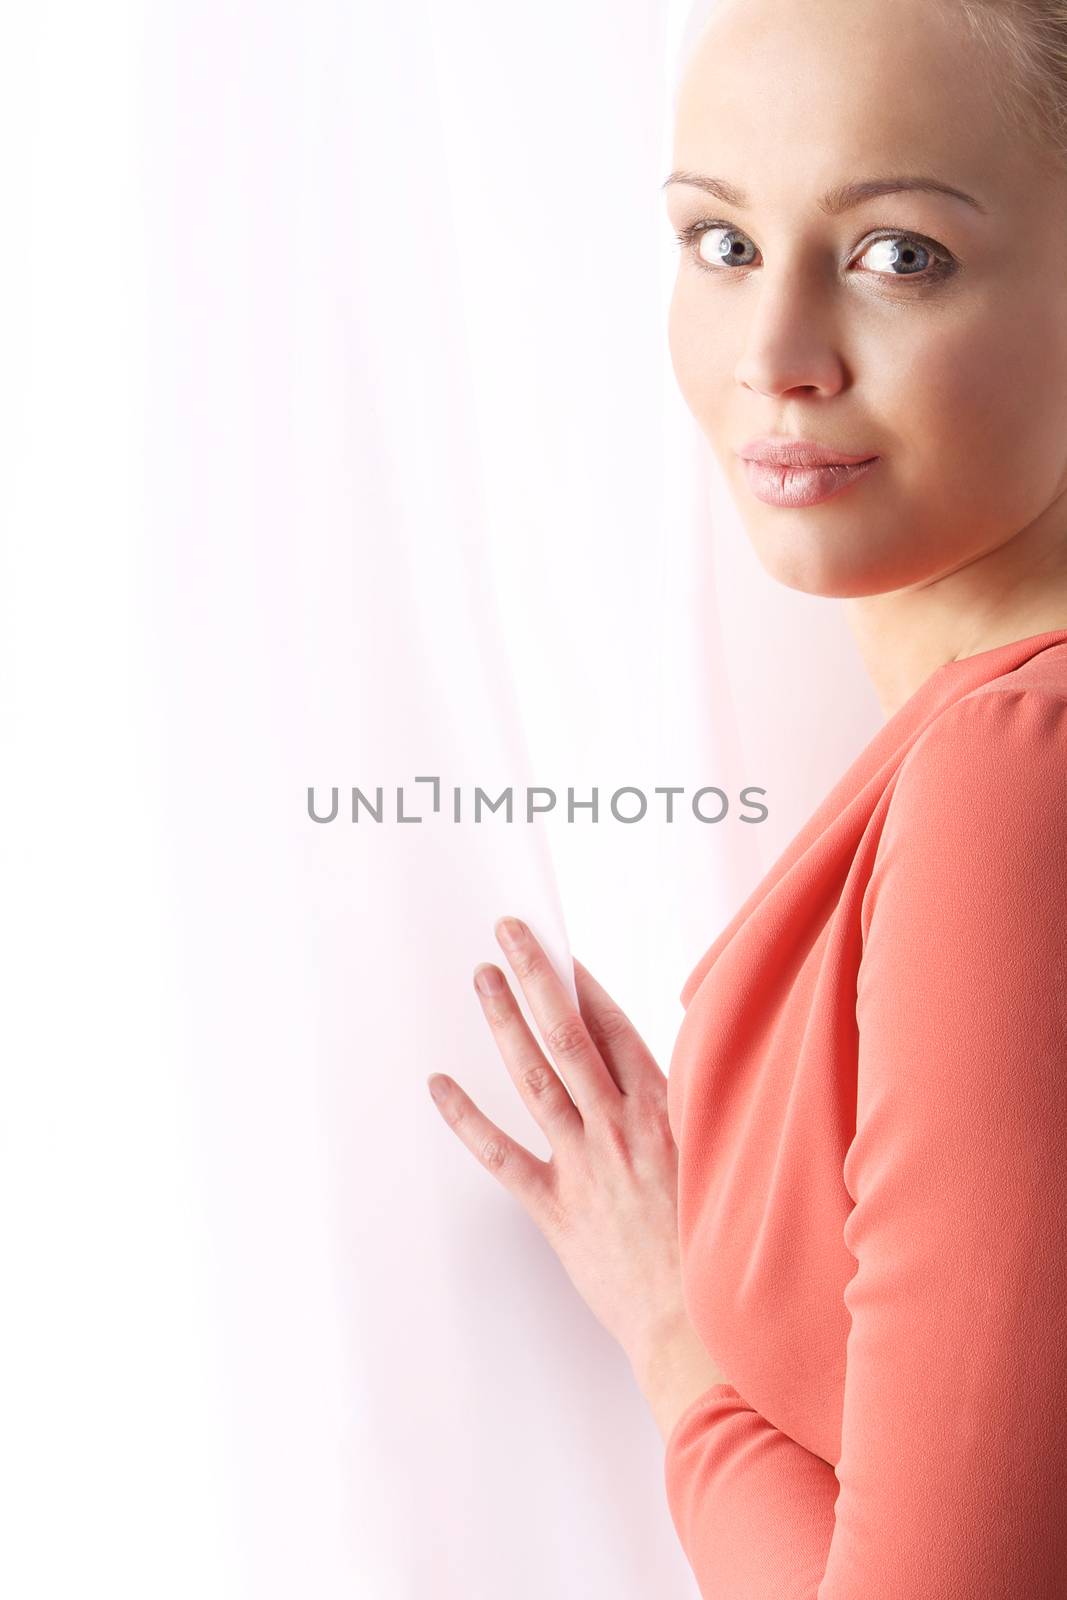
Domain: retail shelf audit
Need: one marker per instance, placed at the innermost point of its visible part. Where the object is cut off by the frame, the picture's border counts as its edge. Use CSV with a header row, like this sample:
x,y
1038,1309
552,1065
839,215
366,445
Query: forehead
x,y
783,94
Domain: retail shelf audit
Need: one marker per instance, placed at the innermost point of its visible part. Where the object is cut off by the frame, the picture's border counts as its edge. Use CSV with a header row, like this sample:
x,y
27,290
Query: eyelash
x,y
944,264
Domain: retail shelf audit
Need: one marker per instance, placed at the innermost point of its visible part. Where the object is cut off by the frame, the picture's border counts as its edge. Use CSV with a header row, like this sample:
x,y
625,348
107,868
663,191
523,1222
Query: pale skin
x,y
954,374
606,1200
957,542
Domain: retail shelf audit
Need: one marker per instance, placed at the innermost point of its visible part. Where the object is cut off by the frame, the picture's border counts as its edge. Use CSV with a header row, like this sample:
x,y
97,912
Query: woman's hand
x,y
607,1199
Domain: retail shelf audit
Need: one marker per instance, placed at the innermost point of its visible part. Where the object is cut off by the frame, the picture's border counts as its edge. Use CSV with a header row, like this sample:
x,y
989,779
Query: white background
x,y
340,445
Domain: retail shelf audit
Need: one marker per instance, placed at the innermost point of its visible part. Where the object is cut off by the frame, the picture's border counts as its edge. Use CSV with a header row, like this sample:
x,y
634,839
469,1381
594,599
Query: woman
x,y
834,1243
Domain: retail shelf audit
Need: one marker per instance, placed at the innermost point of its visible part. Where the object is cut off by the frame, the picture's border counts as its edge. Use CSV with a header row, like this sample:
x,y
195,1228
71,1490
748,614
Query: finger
x,y
522,1173
562,1026
630,1060
540,1086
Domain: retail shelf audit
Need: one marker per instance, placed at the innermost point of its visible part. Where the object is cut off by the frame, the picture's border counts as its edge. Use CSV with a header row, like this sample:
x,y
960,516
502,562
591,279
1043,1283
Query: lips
x,y
786,471
778,485
780,451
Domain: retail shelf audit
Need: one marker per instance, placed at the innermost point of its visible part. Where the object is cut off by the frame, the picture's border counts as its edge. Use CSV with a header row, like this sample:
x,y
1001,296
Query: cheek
x,y
698,353
980,406
972,404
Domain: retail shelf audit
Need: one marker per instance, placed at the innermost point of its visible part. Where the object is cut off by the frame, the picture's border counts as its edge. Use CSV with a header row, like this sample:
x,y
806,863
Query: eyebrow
x,y
834,201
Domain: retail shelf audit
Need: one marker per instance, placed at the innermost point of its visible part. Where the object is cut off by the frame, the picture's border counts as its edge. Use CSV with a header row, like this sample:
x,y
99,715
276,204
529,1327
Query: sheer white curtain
x,y
343,451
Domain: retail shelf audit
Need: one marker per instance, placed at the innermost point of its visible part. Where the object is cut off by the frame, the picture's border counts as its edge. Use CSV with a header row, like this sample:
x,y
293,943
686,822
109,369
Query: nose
x,y
788,344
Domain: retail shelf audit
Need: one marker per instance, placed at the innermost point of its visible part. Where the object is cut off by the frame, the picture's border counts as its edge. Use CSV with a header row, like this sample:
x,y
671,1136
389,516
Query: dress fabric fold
x,y
868,1092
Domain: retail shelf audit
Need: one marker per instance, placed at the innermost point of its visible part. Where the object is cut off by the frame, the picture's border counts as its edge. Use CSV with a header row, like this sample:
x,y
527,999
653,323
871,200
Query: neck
x,y
1017,590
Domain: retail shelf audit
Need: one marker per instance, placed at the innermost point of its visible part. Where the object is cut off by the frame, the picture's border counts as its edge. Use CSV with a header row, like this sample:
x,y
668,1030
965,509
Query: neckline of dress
x,y
1009,648
977,669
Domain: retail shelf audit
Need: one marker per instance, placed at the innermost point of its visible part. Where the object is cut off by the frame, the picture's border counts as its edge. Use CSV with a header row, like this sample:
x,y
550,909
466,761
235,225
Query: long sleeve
x,y
952,1478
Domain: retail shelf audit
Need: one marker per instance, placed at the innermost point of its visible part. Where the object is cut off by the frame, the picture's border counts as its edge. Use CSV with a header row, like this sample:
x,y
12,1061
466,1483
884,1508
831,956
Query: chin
x,y
812,565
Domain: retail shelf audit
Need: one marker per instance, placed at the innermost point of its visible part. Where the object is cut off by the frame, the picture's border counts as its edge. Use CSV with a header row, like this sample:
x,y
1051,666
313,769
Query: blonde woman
x,y
833,1242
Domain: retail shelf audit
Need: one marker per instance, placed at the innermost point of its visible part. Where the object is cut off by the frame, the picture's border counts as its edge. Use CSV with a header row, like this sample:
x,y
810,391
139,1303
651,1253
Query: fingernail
x,y
438,1087
510,931
488,980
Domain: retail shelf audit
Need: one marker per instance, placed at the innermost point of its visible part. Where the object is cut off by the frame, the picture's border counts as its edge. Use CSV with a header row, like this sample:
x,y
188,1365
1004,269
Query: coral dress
x,y
869,1096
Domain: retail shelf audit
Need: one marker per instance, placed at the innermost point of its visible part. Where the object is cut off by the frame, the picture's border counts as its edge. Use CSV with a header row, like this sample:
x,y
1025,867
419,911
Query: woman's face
x,y
912,326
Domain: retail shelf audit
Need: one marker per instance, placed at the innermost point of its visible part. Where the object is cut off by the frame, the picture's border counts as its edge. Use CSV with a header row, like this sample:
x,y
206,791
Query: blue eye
x,y
725,248
889,253
716,245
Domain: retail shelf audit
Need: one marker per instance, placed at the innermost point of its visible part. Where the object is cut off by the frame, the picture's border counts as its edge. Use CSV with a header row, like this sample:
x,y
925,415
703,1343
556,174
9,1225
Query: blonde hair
x,y
1026,55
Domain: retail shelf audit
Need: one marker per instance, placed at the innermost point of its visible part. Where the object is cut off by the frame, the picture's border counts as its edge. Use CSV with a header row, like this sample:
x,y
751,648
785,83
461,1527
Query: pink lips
x,y
783,471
